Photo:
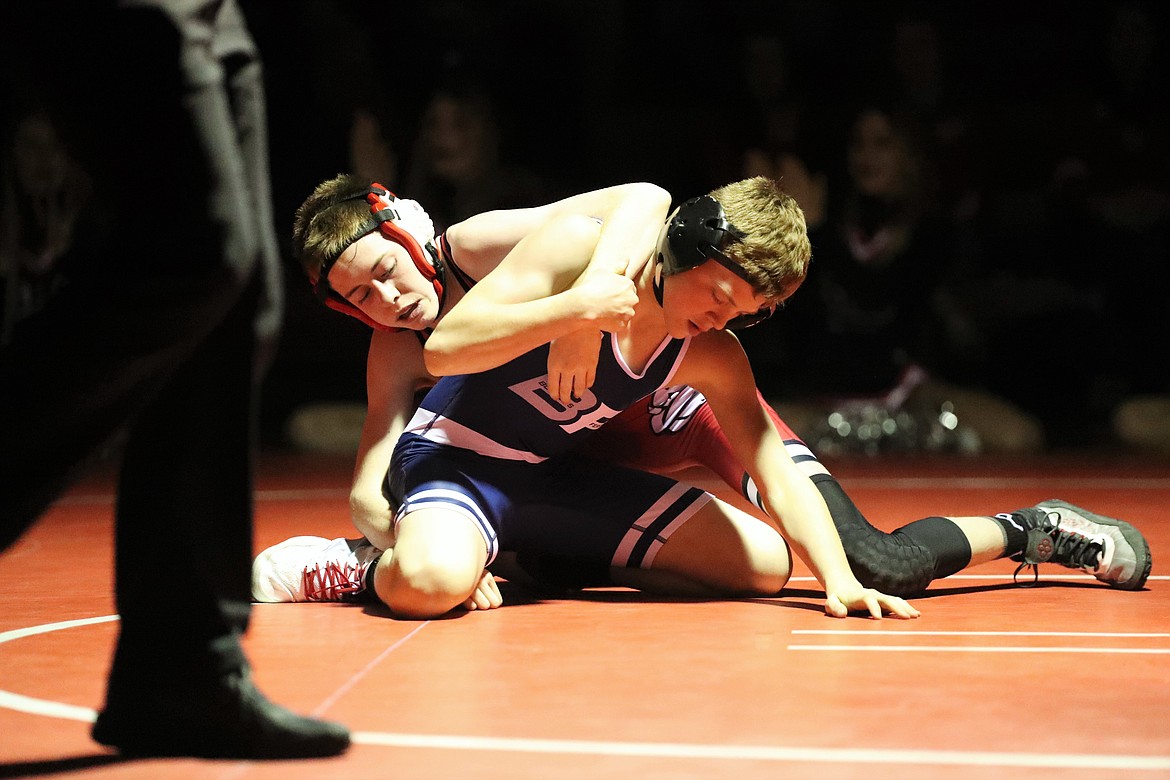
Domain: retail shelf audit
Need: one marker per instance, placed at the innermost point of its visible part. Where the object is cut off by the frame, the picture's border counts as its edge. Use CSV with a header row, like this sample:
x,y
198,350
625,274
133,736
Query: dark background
x,y
588,94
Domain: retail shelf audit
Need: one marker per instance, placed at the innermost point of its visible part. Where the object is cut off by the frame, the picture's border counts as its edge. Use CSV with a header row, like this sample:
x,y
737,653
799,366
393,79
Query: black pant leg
x,y
190,454
182,239
158,342
184,530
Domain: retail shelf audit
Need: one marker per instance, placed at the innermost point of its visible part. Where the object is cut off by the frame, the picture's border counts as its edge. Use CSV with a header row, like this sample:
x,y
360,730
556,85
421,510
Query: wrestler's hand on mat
x,y
572,364
486,595
840,602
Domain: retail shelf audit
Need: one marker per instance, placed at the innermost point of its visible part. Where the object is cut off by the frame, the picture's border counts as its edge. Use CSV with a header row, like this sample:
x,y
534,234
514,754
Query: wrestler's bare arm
x,y
631,216
717,366
395,370
530,300
394,374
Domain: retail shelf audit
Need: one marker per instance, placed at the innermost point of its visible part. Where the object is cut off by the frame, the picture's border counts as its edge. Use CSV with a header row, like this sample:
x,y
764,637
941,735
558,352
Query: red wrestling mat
x,y
1069,679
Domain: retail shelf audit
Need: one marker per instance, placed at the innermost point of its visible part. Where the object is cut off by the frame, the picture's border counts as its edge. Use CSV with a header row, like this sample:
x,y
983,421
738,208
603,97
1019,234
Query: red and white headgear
x,y
402,221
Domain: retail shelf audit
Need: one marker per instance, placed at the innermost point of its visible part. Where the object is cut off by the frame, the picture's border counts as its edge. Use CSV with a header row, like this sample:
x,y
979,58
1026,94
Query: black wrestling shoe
x,y
228,719
1111,550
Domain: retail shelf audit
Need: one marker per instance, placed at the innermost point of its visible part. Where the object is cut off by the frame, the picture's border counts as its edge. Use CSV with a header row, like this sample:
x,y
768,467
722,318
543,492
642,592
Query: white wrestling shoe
x,y
1111,550
312,568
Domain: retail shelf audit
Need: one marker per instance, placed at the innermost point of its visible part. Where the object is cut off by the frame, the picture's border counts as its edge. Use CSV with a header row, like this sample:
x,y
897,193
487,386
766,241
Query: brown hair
x,y
329,220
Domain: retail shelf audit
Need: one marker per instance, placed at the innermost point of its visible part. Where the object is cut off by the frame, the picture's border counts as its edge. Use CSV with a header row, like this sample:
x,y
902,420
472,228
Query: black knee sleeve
x,y
945,541
901,563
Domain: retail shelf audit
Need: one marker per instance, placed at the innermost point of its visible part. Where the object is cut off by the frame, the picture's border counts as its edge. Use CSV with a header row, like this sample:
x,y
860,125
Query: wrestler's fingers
x,y
492,592
558,388
901,608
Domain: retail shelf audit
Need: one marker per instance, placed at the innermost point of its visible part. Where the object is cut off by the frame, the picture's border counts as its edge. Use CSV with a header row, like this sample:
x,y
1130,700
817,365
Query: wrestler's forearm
x,y
629,230
804,520
482,335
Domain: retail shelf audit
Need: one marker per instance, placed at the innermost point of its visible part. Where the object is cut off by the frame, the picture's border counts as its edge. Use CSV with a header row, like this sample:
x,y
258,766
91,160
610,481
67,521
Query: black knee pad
x,y
901,563
890,563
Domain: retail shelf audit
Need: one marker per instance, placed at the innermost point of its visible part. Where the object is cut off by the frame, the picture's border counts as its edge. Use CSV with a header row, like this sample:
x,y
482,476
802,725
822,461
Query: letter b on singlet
x,y
586,413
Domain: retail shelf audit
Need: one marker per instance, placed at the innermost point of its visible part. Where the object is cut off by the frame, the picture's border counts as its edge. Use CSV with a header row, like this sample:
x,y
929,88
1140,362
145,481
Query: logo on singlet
x,y
671,408
586,413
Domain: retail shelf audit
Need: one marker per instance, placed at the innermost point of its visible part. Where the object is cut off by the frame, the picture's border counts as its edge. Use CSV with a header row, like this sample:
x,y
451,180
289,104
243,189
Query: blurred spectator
x,y
779,137
771,116
1143,422
868,336
1078,222
1114,188
924,84
372,152
1116,132
43,192
456,168
1110,189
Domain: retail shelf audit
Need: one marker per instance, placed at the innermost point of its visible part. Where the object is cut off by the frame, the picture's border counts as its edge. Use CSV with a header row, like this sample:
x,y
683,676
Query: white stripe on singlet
x,y
442,430
805,461
642,525
804,458
453,501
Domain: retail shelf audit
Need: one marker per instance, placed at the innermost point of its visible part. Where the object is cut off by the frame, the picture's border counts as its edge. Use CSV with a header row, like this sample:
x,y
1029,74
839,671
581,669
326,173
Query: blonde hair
x,y
776,252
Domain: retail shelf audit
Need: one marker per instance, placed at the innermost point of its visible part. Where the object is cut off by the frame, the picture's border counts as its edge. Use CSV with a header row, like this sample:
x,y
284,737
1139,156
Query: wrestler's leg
x,y
905,561
446,526
720,550
597,524
435,565
676,429
674,432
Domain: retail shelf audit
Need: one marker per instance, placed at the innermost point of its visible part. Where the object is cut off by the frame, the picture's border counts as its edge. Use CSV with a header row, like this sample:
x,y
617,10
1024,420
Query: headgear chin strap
x,y
405,223
697,232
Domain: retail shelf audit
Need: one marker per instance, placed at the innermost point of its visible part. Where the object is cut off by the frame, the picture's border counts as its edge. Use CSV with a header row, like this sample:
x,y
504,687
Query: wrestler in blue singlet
x,y
507,412
496,447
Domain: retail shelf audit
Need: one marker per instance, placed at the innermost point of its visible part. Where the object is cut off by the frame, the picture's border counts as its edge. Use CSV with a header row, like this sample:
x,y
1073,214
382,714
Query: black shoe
x,y
228,719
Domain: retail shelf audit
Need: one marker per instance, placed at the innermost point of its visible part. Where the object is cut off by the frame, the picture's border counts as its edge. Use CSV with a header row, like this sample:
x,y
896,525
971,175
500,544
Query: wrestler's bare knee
x,y
436,564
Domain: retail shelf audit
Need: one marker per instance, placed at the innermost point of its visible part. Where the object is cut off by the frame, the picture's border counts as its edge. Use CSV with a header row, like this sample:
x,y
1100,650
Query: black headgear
x,y
697,232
